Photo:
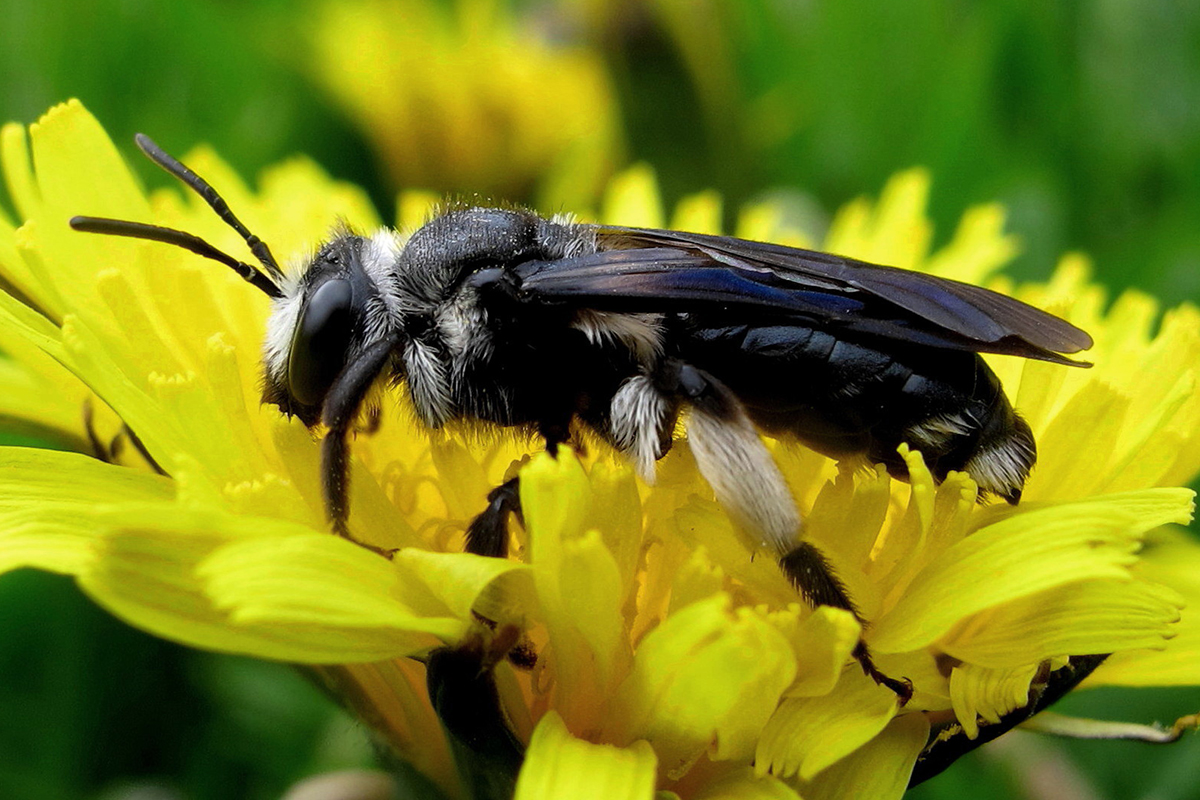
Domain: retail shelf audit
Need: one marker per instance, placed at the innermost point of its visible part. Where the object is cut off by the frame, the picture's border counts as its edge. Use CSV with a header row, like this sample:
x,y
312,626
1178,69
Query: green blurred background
x,y
1082,118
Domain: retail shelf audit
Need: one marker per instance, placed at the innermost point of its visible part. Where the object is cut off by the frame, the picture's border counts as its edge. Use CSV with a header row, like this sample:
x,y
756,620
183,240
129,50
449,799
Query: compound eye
x,y
320,342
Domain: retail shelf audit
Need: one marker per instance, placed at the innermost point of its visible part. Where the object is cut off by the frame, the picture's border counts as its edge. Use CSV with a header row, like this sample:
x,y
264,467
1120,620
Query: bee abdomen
x,y
850,399
1004,454
981,433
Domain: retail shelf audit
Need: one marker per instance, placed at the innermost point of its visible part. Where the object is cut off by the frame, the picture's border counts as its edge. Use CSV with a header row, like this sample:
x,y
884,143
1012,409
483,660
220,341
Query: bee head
x,y
324,319
319,319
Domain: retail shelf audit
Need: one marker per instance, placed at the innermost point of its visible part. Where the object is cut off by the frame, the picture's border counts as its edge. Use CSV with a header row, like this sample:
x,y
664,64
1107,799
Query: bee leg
x,y
736,463
641,419
813,576
138,445
487,535
335,480
555,432
117,444
342,403
100,450
110,452
752,490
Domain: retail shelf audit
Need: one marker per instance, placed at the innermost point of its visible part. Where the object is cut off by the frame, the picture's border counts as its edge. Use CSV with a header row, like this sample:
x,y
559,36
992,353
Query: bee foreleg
x,y
341,406
752,490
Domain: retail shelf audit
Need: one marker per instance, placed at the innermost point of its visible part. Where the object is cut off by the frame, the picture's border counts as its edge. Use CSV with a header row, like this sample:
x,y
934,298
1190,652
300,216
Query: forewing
x,y
653,270
672,278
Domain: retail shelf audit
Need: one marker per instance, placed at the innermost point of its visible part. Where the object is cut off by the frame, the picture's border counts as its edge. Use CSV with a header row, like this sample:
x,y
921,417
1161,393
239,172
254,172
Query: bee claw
x,y
903,687
339,528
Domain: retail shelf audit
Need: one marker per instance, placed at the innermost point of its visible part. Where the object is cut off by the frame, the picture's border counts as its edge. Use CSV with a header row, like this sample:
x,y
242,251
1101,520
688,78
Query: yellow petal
x,y
42,410
849,513
697,579
22,321
743,784
905,548
467,494
48,505
1172,558
808,734
593,599
556,499
978,248
79,171
702,524
557,765
880,770
618,515
460,582
632,199
18,272
699,213
18,170
323,579
1086,425
738,662
146,573
1023,554
1102,616
897,233
822,642
988,693
767,222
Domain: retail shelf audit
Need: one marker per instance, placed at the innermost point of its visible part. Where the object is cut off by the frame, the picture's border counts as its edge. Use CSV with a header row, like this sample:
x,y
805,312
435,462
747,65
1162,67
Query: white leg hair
x,y
639,415
750,487
748,483
744,476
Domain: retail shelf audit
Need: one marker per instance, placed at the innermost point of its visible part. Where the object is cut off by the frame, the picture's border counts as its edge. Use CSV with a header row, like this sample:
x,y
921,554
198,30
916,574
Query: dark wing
x,y
645,270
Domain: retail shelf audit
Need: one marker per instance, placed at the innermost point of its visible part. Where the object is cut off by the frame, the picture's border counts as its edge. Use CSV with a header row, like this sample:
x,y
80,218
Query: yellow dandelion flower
x,y
670,660
470,96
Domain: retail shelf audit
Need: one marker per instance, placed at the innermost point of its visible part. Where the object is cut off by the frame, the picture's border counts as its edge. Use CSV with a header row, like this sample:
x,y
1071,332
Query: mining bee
x,y
554,327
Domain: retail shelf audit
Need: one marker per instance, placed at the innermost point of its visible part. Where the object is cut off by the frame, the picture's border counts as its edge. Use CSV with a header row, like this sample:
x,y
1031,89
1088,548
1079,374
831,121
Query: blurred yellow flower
x,y
470,97
670,659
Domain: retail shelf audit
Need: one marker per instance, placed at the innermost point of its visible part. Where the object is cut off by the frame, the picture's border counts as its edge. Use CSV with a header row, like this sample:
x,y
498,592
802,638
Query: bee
x,y
504,317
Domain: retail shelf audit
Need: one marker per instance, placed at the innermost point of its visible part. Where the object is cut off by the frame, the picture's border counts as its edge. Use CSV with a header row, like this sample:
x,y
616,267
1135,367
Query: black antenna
x,y
188,241
269,283
214,200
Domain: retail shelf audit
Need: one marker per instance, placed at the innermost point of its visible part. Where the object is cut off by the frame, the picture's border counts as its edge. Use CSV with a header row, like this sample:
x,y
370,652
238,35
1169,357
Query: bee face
x,y
325,317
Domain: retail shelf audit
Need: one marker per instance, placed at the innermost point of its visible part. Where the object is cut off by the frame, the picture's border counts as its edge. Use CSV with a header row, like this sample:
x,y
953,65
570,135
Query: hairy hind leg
x,y
813,576
749,485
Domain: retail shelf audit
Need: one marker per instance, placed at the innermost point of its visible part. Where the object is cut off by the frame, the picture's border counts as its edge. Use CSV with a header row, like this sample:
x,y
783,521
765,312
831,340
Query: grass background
x,y
1083,118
